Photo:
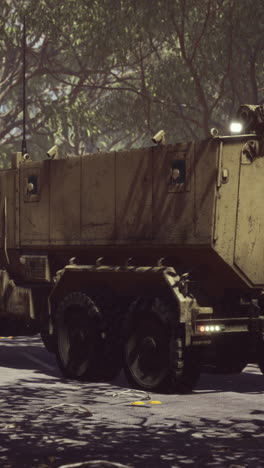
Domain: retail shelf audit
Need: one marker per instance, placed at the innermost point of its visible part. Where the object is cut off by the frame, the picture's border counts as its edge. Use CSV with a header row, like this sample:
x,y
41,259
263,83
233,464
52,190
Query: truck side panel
x,y
239,221
97,204
205,169
163,195
65,196
134,195
249,248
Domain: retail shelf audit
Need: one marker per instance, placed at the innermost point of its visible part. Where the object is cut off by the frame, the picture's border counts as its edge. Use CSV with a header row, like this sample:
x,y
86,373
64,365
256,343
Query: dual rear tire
x,y
84,347
150,346
155,356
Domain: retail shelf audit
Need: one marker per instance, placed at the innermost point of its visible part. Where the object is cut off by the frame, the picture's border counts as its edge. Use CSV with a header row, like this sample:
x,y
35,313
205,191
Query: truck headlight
x,y
236,127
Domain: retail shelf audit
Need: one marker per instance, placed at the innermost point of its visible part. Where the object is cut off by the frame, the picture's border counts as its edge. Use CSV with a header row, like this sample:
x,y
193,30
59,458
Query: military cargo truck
x,y
150,259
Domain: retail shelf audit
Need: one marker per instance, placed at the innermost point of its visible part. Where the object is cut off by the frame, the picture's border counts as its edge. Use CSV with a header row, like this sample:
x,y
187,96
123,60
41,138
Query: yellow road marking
x,y
152,402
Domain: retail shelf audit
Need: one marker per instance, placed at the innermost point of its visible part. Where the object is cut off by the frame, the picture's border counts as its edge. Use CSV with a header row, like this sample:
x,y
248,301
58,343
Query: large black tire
x,y
86,345
87,340
155,356
79,337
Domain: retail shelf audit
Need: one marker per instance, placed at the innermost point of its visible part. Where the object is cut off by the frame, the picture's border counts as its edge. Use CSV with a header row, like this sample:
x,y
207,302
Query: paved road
x,y
48,422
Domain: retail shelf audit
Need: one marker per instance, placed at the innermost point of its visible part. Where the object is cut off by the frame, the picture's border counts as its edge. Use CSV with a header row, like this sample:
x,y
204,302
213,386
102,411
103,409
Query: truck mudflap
x,y
129,281
16,302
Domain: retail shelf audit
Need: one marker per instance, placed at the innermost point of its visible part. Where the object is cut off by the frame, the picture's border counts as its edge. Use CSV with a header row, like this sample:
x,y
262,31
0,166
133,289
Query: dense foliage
x,y
107,74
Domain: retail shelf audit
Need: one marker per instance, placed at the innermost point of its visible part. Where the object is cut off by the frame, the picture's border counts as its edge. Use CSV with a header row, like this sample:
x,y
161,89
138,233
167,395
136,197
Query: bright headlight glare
x,y
236,127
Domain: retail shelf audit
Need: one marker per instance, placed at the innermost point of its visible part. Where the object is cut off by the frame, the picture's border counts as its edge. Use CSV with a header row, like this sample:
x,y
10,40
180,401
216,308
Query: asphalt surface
x,y
48,422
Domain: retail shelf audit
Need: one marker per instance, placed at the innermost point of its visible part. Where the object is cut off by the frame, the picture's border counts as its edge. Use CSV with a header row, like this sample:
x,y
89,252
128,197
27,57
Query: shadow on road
x,y
46,421
27,353
30,353
251,380
40,433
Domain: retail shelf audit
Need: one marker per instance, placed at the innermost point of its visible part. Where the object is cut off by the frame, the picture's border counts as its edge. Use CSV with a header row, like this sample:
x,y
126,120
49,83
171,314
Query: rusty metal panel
x,y
134,194
98,197
173,194
65,192
34,202
249,245
7,209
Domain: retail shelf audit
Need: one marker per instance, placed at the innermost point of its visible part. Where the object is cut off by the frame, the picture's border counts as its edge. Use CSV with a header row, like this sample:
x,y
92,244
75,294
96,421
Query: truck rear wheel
x,y
155,357
79,338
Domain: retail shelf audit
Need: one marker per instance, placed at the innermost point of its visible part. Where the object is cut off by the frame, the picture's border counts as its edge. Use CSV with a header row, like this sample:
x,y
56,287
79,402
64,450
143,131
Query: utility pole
x,y
24,142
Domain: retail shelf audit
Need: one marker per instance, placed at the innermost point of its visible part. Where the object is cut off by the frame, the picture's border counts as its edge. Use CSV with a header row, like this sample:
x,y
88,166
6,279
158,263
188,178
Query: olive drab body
x,y
138,259
199,203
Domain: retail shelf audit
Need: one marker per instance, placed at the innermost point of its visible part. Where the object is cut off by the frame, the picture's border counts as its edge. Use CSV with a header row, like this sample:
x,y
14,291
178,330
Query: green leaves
x,y
108,73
